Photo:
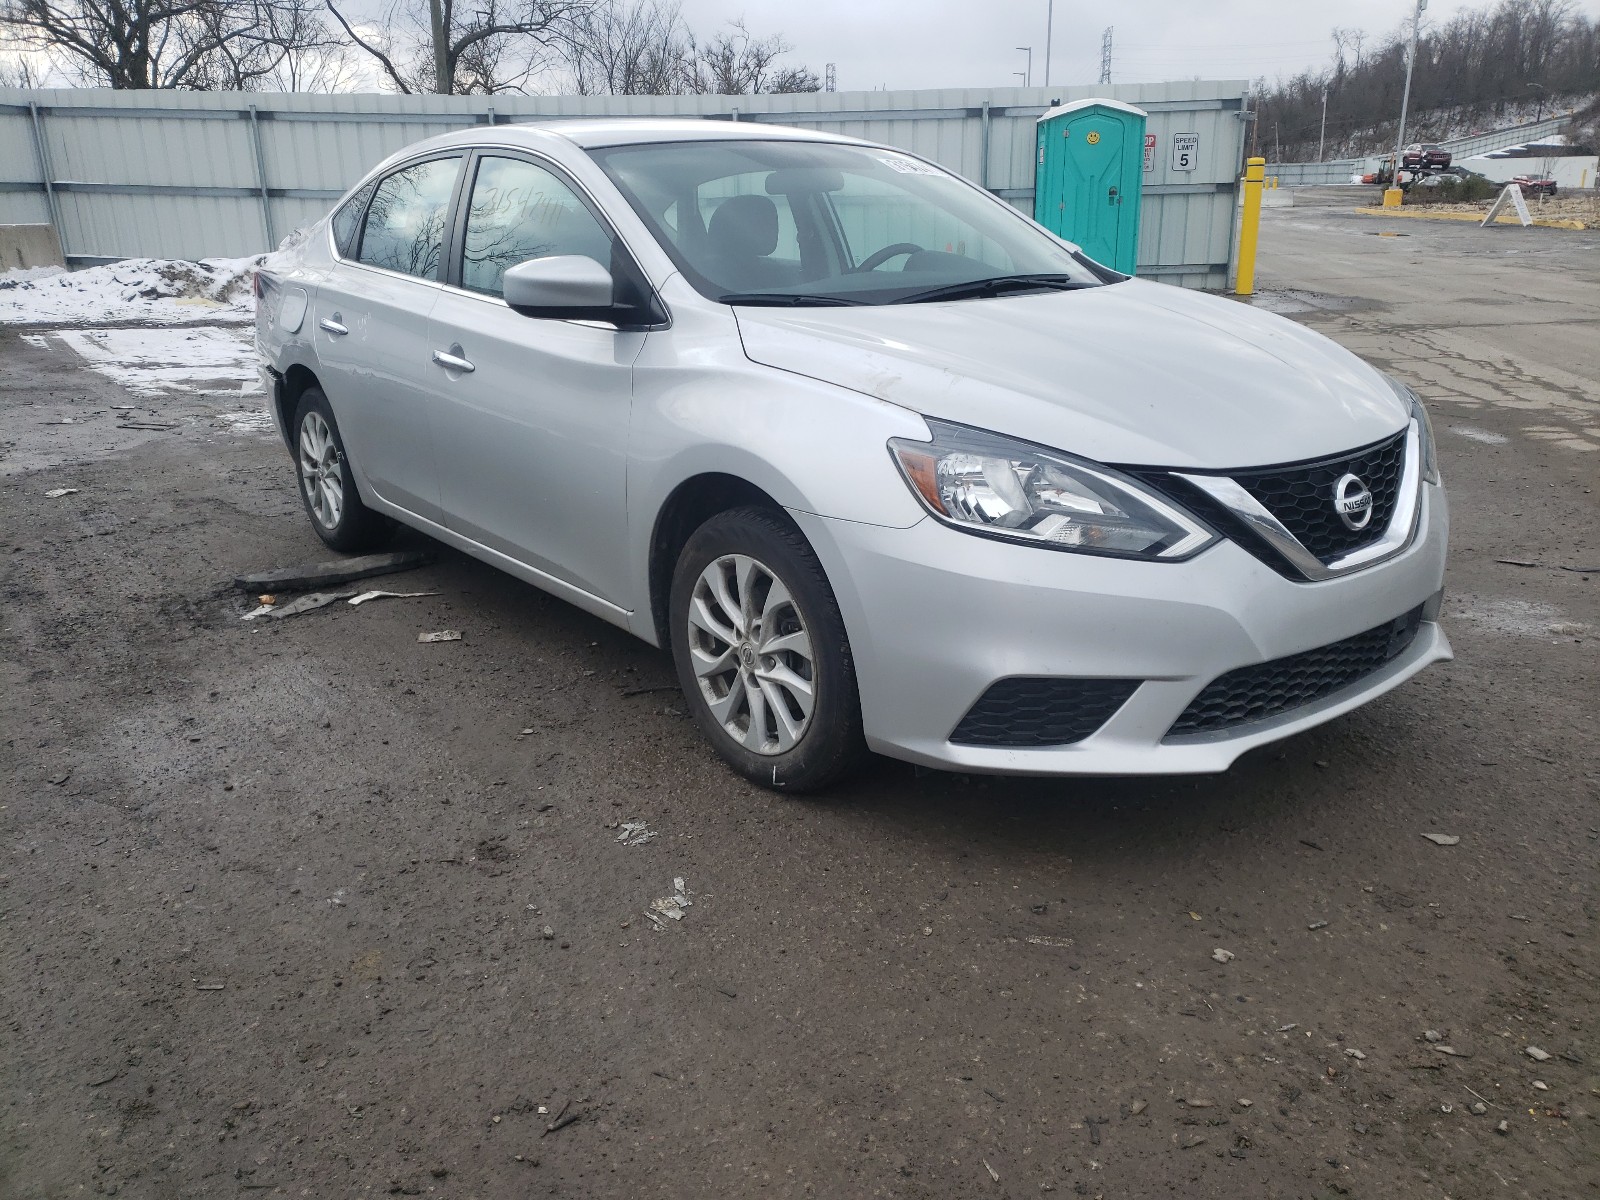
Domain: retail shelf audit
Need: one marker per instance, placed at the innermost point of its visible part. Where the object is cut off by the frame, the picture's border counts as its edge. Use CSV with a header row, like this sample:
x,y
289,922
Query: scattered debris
x,y
1191,1142
993,1174
331,574
1317,925
58,780
548,933
1503,1127
208,987
1137,1107
267,598
365,596
259,610
1243,1103
1222,955
527,731
1289,1026
57,493
1516,562
1537,1054
1200,1103
105,1077
635,833
671,906
1442,839
307,603
1447,1109
1541,1085
1452,1052
1432,1035
1352,1052
645,691
443,635
1045,939
1479,1108
562,1123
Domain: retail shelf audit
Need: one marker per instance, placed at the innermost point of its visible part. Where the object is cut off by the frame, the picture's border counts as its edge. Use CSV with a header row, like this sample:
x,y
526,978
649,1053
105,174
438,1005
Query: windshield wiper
x,y
786,300
997,284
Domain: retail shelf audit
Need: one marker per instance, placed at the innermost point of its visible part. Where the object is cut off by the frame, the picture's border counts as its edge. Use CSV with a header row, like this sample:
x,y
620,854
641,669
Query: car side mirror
x,y
568,287
573,287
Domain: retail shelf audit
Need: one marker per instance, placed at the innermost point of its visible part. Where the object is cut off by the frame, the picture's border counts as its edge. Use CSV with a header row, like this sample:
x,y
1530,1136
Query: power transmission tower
x,y
830,78
1105,55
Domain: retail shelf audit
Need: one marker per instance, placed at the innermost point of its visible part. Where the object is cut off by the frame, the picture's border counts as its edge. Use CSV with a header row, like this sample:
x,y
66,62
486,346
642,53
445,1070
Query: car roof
x,y
594,132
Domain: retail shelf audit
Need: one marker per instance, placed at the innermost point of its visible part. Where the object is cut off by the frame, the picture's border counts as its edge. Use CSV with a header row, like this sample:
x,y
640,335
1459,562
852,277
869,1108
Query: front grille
x,y
1041,711
1301,496
1267,689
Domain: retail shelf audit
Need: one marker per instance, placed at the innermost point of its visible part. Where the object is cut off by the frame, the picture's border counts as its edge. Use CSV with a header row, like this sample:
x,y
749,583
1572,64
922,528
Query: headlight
x,y
991,485
1419,413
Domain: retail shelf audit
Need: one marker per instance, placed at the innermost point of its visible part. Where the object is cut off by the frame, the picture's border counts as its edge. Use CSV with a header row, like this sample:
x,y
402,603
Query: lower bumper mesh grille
x,y
1266,689
1041,711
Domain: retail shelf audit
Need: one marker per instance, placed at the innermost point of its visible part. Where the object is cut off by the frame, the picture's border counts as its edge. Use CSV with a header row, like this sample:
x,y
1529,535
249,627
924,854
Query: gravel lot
x,y
306,908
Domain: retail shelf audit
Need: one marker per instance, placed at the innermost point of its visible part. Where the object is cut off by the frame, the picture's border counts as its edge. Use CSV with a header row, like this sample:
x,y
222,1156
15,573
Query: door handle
x,y
451,360
332,325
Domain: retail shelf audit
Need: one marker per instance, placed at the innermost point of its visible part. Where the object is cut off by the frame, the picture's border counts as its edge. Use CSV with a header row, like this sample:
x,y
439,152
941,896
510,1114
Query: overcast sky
x,y
970,43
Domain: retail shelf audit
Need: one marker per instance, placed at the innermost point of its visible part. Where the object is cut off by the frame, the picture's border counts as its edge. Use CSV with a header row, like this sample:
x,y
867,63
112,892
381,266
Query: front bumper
x,y
936,615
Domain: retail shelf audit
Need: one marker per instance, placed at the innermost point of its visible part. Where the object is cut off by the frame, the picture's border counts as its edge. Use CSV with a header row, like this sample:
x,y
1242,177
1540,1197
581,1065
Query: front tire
x,y
327,485
762,654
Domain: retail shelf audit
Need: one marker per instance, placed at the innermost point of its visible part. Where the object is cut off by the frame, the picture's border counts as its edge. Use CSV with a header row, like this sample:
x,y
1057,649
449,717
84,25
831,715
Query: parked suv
x,y
1425,156
881,462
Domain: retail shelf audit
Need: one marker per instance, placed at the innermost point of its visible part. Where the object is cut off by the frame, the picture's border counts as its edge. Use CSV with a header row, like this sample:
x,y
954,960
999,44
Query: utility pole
x,y
1105,54
1405,97
1322,138
1027,76
442,83
1049,27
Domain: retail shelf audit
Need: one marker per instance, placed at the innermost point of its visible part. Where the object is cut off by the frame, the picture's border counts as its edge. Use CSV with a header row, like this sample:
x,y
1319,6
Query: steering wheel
x,y
878,257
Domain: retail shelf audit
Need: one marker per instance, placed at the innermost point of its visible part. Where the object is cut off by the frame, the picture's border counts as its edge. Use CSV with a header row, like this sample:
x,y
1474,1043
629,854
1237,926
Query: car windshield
x,y
798,223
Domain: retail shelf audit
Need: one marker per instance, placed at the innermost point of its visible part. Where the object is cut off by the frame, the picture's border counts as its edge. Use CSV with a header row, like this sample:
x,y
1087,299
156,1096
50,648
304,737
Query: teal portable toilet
x,y
1087,177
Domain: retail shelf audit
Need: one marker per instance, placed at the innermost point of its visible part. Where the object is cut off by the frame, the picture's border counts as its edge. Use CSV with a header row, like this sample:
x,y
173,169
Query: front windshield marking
x,y
781,222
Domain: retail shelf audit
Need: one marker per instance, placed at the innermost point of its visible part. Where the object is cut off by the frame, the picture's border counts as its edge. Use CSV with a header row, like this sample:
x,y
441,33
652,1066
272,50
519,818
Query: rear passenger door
x,y
372,329
532,422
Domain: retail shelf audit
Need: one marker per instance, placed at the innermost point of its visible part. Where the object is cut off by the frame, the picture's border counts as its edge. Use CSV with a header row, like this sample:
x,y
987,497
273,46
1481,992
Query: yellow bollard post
x,y
1255,171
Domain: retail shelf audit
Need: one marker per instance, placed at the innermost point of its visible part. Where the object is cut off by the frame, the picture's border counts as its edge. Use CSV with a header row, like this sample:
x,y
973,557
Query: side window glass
x,y
521,211
348,219
405,223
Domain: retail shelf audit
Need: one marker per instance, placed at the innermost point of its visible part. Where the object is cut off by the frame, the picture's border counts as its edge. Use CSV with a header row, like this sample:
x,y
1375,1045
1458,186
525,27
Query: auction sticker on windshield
x,y
908,166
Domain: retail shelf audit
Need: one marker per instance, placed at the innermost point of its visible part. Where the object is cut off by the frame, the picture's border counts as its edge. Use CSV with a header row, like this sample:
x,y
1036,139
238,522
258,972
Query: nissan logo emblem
x,y
1352,501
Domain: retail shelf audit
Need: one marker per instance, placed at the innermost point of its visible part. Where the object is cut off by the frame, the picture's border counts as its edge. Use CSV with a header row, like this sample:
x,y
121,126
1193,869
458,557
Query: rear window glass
x,y
348,219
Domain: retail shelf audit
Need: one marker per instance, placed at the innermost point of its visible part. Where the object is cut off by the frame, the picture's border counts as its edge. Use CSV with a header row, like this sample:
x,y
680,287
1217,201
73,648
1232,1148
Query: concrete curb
x,y
1505,218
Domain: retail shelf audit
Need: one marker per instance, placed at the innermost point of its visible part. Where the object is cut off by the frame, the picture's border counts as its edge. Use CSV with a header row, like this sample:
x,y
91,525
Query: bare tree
x,y
630,49
737,63
448,47
199,44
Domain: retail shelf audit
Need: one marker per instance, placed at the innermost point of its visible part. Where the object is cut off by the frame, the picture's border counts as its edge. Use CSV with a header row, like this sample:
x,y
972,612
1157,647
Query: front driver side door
x,y
530,416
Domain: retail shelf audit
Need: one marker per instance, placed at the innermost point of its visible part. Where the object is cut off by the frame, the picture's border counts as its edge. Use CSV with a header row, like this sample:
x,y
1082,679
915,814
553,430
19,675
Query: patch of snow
x,y
155,290
18,275
1473,433
165,362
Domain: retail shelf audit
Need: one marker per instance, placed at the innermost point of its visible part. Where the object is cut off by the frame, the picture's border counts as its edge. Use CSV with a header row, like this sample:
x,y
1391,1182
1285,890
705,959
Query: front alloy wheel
x,y
762,654
752,654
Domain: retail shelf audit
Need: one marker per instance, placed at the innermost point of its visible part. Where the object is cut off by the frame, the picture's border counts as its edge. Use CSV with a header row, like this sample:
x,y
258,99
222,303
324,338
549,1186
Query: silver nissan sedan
x,y
884,464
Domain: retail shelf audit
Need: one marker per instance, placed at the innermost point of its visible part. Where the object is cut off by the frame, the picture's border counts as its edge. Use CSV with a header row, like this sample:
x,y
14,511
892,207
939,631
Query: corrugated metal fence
x,y
213,174
1339,170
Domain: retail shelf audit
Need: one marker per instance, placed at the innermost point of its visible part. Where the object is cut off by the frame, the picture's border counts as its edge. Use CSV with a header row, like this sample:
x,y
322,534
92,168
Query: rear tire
x,y
327,485
762,654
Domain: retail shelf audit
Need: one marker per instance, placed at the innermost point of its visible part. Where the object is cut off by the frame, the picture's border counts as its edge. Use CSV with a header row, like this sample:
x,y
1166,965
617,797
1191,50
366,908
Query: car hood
x,y
1135,373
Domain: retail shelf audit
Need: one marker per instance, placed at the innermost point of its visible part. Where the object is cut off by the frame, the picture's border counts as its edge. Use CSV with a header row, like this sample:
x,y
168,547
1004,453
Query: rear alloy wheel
x,y
762,655
327,485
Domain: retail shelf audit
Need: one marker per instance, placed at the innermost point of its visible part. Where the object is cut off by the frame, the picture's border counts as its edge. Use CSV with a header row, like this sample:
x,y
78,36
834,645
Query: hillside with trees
x,y
1509,61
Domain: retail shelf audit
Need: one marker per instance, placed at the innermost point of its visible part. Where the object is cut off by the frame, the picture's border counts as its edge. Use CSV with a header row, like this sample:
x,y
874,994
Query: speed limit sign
x,y
1185,151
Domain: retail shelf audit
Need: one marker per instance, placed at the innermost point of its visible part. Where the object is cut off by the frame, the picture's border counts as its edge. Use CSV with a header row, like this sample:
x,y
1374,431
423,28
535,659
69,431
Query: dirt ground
x,y
306,908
